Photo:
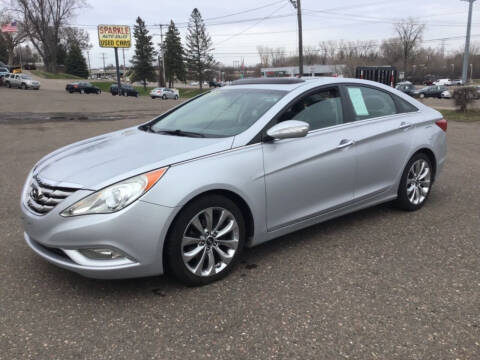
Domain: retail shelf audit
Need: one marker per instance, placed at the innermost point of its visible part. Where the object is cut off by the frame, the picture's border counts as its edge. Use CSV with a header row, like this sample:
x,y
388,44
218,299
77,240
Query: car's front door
x,y
305,177
383,138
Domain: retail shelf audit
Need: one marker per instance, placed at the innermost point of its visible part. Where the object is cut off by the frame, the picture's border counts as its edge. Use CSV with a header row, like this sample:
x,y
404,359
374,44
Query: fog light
x,y
102,254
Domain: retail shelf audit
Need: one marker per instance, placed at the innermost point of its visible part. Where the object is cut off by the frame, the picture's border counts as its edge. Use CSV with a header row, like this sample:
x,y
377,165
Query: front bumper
x,y
138,231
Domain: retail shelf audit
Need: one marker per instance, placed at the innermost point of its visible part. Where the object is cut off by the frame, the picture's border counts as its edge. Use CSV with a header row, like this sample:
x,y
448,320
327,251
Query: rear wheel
x,y
416,183
205,241
82,91
164,97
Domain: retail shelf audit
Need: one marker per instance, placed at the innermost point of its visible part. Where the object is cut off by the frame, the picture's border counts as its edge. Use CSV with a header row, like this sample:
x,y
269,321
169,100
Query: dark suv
x,y
125,90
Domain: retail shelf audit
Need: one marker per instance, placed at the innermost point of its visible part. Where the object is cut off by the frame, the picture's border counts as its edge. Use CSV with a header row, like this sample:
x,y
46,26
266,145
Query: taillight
x,y
442,124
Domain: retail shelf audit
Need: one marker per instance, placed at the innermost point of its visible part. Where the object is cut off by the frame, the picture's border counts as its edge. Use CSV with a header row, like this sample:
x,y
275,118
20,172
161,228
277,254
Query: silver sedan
x,y
238,166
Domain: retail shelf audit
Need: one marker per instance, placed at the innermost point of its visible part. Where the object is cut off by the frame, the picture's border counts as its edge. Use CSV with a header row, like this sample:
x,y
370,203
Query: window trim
x,y
347,108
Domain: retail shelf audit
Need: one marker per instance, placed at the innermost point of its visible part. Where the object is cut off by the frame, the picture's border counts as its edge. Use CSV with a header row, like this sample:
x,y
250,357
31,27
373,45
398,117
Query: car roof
x,y
307,82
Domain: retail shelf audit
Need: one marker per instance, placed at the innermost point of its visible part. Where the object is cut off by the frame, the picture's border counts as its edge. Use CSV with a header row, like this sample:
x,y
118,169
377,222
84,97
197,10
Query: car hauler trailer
x,y
383,74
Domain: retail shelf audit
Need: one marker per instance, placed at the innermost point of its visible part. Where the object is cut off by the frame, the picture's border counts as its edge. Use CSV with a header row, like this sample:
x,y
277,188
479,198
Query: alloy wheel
x,y
418,182
210,241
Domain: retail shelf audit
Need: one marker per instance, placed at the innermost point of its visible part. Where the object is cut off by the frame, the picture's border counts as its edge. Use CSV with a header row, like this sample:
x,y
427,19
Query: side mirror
x,y
289,129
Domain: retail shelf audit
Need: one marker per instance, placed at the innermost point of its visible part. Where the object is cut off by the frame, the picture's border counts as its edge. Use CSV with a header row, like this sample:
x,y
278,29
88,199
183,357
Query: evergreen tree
x,y
174,55
144,54
199,47
75,62
3,50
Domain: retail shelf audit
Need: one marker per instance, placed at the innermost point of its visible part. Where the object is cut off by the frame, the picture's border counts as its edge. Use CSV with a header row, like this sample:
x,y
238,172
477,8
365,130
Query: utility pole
x,y
103,58
297,5
124,67
162,54
467,42
89,66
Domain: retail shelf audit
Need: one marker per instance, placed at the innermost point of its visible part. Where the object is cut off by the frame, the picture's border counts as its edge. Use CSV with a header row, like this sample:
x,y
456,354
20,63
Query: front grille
x,y
42,198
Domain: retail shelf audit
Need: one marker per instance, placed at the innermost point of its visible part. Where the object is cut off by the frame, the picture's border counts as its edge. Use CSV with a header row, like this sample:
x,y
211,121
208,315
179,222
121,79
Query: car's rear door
x,y
382,137
305,177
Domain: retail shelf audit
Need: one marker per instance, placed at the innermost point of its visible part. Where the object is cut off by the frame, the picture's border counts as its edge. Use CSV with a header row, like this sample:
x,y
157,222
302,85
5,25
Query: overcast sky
x,y
237,37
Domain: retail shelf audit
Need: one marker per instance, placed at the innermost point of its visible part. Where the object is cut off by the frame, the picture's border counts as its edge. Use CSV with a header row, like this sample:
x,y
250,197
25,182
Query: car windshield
x,y
219,113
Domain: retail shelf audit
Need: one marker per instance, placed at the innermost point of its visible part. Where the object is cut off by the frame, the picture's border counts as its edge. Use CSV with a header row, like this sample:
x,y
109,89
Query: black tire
x,y
176,97
173,251
9,85
421,96
164,97
153,97
82,91
402,200
24,86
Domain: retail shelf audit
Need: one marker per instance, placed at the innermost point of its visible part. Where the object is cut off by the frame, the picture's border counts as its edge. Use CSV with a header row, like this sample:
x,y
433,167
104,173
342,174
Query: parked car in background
x,y
443,82
457,82
430,91
21,81
164,93
125,90
4,71
214,84
406,87
446,94
187,191
82,87
30,67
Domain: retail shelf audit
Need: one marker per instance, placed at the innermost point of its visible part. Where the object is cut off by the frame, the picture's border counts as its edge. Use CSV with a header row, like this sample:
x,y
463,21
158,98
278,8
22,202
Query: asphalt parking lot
x,y
377,284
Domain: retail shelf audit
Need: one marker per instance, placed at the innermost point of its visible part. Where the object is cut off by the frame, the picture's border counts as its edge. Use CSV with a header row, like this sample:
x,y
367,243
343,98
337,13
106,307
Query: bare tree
x,y
12,39
410,35
75,36
43,20
310,55
263,53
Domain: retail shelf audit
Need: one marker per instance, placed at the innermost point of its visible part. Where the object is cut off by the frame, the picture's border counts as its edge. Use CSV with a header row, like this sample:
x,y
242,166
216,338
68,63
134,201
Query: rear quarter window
x,y
404,106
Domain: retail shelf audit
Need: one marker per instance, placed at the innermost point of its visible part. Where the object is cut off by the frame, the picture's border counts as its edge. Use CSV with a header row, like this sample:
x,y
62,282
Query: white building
x,y
308,70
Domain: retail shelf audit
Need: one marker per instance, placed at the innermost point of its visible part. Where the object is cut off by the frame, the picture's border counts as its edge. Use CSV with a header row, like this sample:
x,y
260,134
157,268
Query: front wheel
x,y
205,241
82,91
176,97
416,183
422,96
164,97
24,86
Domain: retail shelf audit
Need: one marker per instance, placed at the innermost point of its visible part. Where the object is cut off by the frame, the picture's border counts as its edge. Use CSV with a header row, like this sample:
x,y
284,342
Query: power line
x,y
244,11
250,27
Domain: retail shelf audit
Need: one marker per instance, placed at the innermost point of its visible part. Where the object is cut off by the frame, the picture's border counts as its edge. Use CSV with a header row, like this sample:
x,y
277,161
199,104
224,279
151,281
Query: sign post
x,y
115,36
118,71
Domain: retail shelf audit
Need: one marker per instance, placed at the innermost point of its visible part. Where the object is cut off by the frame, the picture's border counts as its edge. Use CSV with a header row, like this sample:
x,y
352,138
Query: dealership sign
x,y
114,36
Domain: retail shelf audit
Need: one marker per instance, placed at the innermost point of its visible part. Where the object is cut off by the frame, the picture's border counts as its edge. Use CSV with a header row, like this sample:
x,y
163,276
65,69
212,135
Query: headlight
x,y
115,197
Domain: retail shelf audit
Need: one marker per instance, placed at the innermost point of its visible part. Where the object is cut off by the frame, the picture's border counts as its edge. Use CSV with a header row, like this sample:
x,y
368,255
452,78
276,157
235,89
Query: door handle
x,y
345,143
405,125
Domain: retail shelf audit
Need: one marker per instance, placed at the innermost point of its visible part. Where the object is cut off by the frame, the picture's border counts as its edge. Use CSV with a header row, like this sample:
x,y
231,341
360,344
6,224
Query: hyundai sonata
x,y
235,167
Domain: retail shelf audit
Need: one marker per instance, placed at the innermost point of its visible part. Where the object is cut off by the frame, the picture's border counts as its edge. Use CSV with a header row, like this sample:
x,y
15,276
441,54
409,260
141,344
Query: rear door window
x,y
370,103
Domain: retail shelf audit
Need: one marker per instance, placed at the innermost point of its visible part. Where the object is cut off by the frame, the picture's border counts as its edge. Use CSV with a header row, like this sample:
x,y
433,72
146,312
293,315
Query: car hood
x,y
97,162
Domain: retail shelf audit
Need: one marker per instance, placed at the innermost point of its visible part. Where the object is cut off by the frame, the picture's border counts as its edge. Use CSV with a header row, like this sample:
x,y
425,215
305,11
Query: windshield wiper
x,y
179,132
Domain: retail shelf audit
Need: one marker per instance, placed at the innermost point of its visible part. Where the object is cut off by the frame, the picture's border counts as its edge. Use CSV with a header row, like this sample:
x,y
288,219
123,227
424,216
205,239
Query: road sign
x,y
114,36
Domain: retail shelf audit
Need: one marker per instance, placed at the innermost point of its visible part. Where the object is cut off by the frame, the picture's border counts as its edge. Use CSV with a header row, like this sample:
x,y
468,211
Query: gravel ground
x,y
377,284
